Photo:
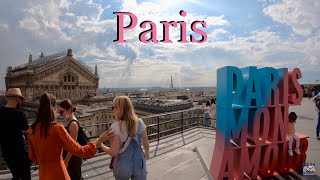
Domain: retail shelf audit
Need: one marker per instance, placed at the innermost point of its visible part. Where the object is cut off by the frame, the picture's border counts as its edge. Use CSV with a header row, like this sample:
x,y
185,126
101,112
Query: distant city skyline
x,y
260,33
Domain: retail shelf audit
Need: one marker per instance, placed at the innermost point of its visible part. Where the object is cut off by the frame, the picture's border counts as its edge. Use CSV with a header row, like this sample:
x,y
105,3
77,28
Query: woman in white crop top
x,y
129,133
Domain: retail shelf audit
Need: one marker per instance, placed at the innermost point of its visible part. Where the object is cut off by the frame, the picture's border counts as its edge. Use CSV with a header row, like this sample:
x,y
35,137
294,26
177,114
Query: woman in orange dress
x,y
47,139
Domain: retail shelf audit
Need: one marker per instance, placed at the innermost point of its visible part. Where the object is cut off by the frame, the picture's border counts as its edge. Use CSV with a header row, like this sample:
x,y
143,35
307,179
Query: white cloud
x,y
52,26
93,26
265,48
88,9
152,72
216,21
30,24
64,4
4,27
301,15
215,34
256,49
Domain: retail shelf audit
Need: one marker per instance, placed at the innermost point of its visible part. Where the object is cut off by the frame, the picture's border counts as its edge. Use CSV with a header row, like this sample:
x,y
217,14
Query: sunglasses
x,y
61,112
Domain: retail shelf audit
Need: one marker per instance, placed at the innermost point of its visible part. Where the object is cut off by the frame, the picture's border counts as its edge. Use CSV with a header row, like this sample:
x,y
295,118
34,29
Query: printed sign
x,y
252,122
309,169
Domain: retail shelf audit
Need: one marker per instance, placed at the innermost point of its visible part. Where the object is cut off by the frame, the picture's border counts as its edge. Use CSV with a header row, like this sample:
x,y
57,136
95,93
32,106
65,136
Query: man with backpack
x,y
316,101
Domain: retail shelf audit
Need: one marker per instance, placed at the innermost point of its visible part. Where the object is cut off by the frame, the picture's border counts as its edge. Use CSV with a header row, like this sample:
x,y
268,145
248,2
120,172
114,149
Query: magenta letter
x,y
295,90
152,31
166,26
120,23
196,30
183,30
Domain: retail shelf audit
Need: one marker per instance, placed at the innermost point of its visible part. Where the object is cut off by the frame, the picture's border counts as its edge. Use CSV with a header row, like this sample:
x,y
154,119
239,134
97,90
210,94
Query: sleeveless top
x,y
64,153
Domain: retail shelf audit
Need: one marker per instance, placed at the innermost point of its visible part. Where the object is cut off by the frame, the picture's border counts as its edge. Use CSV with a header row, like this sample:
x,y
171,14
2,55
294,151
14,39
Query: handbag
x,y
112,159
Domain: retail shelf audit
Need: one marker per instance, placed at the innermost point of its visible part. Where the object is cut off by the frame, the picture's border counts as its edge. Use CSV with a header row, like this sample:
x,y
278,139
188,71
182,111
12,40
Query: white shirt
x,y
207,109
123,132
212,113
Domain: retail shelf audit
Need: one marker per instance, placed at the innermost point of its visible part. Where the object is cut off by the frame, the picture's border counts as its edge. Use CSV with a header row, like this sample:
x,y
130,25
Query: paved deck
x,y
187,156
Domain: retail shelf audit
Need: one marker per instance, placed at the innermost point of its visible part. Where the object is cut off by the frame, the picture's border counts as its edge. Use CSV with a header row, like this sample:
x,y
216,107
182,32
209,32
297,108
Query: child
x,y
291,134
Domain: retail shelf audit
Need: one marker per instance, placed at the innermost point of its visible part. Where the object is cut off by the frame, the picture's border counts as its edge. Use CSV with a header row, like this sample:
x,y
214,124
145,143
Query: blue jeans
x,y
128,166
206,119
131,164
318,125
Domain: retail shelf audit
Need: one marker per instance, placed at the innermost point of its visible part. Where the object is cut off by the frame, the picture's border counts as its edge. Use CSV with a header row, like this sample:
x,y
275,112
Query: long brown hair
x,y
67,105
126,113
45,114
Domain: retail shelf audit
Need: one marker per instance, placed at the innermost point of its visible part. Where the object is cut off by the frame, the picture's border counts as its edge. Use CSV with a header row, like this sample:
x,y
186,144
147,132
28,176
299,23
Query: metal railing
x,y
159,126
160,129
171,123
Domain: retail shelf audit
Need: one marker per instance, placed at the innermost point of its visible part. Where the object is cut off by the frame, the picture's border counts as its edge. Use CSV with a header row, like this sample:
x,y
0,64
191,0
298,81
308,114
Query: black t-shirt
x,y
13,121
64,153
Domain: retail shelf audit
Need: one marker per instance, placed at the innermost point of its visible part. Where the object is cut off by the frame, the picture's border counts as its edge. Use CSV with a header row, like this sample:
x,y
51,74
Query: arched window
x,y
65,78
72,79
69,78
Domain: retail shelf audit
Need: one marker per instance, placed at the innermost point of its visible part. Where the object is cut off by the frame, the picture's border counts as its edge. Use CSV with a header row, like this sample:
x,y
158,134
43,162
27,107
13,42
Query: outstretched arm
x,y
70,145
114,148
145,143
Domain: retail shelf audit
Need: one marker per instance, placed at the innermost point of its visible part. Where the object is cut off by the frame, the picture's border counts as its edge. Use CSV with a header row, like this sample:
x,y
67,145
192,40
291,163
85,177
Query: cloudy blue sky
x,y
277,33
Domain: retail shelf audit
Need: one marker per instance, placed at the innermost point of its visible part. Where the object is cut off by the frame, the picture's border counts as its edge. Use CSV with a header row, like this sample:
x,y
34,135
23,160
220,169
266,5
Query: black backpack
x,y
318,105
82,136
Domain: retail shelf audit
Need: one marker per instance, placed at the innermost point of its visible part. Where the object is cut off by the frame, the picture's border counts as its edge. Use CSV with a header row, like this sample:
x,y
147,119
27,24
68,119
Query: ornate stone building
x,y
59,74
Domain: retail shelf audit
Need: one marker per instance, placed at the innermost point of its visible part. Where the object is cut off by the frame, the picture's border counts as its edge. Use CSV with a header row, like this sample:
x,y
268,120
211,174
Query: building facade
x,y
96,120
59,74
160,106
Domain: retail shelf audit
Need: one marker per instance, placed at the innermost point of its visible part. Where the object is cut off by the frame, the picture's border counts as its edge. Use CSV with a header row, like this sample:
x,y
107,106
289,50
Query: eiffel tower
x,y
171,86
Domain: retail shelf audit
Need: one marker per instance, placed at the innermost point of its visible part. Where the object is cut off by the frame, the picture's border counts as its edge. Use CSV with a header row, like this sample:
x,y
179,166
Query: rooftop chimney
x,y
96,70
69,53
30,58
41,55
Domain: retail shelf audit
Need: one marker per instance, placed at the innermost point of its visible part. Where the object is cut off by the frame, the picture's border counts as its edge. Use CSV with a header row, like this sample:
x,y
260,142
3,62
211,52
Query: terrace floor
x,y
187,156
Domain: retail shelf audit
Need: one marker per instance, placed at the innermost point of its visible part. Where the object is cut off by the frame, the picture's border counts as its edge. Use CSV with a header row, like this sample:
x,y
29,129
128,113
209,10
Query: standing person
x,y
316,100
309,90
73,163
47,139
206,116
129,159
14,126
291,134
212,113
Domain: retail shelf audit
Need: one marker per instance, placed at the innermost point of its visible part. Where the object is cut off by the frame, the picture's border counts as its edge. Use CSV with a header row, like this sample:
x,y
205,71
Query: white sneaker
x,y
290,152
297,150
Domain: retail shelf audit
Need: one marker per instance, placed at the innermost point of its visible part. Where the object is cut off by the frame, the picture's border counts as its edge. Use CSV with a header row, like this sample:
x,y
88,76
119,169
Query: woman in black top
x,y
73,163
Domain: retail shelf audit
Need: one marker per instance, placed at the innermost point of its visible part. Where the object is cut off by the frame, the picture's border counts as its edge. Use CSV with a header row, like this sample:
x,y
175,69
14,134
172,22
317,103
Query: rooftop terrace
x,y
186,154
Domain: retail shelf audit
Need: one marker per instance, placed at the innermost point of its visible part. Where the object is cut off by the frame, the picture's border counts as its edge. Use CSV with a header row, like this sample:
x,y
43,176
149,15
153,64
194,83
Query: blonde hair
x,y
126,113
